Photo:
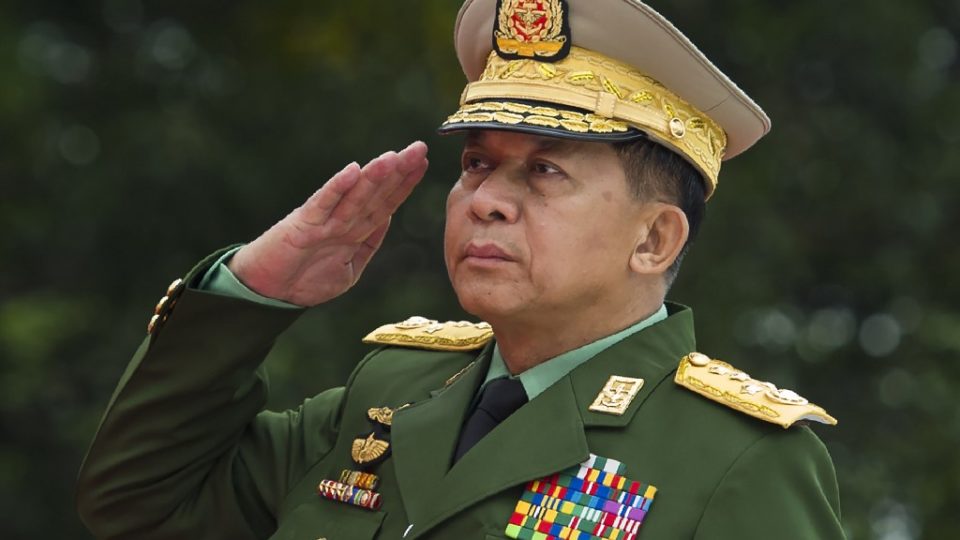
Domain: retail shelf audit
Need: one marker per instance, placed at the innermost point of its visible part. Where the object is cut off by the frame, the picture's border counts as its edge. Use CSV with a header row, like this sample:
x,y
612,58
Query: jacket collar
x,y
652,354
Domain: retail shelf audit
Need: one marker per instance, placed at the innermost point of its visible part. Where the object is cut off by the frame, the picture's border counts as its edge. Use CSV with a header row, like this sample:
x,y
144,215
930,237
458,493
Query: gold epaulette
x,y
422,333
721,382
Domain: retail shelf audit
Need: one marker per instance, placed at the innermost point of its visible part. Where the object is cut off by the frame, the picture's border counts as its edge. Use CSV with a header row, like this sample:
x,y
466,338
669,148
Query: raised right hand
x,y
320,249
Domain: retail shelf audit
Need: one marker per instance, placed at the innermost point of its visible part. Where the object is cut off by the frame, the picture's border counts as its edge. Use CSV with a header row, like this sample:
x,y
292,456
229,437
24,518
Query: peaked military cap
x,y
600,70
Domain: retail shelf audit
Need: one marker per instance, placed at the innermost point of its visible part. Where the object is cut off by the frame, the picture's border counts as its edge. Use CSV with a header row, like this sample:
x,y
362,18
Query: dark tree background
x,y
136,137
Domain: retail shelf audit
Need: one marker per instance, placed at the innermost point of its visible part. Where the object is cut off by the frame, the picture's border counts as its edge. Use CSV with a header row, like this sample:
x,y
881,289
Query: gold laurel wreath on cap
x,y
508,112
613,93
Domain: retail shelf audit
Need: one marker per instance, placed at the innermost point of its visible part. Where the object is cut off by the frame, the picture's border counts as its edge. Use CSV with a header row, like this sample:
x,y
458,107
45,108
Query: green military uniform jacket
x,y
185,450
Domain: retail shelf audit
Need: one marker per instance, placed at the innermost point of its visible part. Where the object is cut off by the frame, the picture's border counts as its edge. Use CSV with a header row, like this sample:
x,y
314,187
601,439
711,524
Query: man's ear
x,y
666,229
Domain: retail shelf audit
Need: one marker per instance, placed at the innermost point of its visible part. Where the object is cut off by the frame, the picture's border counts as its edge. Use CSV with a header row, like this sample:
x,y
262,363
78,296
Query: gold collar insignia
x,y
616,395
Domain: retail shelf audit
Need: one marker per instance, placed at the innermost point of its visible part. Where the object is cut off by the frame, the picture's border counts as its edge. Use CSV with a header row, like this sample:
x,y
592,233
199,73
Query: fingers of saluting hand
x,y
320,205
413,164
385,183
365,198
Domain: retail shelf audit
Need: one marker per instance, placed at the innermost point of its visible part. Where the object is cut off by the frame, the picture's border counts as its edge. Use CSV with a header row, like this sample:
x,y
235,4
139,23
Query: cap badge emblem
x,y
536,29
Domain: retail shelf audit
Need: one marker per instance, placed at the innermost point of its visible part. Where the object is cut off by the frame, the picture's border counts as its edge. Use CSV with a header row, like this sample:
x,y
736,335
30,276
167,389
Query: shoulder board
x,y
721,382
422,333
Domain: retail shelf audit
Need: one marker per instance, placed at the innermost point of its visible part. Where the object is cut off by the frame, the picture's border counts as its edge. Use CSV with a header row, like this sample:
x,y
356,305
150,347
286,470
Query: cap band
x,y
614,95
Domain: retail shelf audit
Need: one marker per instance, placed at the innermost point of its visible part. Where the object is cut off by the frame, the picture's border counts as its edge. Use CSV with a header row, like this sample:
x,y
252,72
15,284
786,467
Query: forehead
x,y
527,142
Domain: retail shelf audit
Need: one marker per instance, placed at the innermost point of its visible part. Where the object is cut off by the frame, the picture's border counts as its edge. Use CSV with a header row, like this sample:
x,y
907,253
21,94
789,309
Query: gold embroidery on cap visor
x,y
615,96
507,112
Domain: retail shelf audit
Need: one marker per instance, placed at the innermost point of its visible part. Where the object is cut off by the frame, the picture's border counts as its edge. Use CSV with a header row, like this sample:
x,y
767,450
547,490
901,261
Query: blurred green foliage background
x,y
136,137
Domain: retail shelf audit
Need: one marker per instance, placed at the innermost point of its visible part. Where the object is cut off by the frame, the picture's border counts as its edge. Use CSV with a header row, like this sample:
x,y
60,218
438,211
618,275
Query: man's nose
x,y
497,197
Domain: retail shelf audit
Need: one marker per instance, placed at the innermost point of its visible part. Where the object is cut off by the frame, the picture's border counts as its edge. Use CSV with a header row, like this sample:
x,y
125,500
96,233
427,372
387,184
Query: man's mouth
x,y
486,251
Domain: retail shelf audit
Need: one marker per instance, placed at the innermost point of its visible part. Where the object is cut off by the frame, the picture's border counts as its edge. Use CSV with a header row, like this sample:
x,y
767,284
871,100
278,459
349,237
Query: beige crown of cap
x,y
646,76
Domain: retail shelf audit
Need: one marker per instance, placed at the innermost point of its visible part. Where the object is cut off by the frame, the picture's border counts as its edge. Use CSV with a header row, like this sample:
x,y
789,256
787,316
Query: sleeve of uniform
x,y
183,450
783,486
220,280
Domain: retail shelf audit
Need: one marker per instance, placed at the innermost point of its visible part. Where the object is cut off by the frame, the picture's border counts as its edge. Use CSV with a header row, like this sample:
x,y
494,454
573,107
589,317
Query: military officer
x,y
579,409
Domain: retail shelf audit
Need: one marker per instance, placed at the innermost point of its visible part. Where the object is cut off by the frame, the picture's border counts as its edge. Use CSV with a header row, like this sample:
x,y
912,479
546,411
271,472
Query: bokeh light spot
x,y
891,520
831,328
880,334
937,48
123,16
896,388
44,49
172,46
79,145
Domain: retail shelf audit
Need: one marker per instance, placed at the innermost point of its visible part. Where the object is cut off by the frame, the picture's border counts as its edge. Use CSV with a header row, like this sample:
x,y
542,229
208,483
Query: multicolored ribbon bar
x,y
360,479
594,495
569,514
617,482
338,491
593,500
604,464
534,528
527,533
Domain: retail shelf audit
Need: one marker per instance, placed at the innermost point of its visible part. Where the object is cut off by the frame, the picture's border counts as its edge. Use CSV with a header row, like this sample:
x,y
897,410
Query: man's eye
x,y
474,164
545,168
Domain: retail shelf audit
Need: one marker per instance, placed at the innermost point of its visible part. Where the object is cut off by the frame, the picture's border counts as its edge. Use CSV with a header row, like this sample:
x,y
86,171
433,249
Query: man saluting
x,y
578,409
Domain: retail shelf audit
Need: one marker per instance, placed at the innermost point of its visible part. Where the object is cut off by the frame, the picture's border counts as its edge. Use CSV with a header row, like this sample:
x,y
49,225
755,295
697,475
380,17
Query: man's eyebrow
x,y
553,144
473,138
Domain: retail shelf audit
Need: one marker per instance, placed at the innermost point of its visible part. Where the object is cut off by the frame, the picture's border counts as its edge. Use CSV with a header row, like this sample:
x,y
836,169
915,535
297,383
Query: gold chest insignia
x,y
369,450
721,382
536,29
616,395
383,415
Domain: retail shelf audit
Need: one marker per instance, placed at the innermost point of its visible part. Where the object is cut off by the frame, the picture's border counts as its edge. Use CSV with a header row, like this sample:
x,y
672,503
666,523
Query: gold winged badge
x,y
368,450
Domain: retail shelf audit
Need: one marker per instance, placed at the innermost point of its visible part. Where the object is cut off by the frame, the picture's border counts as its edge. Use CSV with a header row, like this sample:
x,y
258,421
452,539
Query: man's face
x,y
539,228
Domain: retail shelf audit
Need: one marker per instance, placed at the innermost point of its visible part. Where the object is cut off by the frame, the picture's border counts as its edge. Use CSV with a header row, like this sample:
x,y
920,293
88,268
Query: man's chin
x,y
487,304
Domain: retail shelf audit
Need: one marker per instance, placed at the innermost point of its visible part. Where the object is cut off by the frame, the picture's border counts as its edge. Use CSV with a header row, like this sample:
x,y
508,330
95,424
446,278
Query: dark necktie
x,y
498,400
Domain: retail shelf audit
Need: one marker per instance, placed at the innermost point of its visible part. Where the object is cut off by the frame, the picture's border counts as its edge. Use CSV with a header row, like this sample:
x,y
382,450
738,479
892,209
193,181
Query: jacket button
x,y
152,325
175,288
161,305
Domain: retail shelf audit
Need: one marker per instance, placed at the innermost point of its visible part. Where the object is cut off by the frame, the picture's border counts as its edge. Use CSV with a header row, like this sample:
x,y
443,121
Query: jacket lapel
x,y
543,436
423,438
